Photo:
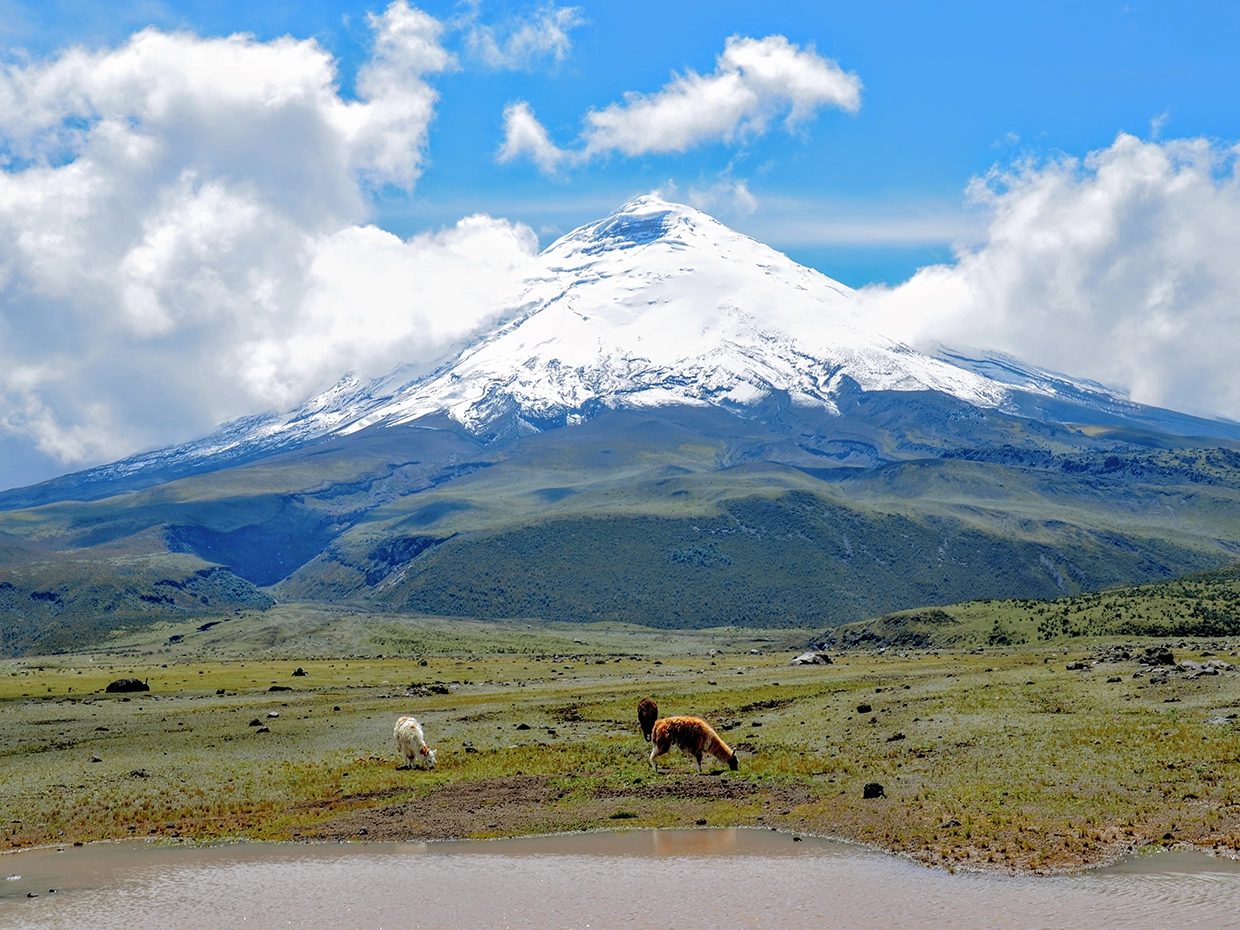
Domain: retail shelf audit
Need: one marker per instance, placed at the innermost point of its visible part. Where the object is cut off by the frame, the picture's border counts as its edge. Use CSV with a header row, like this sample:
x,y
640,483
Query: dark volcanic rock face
x,y
126,685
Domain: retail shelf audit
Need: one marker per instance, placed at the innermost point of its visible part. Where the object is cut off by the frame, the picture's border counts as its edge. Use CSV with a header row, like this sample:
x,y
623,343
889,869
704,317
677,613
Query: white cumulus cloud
x,y
1121,267
522,42
725,196
525,135
183,234
754,82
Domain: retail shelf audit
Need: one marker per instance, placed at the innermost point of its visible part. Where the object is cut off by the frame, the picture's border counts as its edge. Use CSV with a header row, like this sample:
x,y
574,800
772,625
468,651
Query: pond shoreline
x,y
464,843
616,878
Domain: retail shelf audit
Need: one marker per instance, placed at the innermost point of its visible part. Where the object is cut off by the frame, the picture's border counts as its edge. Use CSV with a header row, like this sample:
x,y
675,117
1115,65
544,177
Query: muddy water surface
x,y
682,879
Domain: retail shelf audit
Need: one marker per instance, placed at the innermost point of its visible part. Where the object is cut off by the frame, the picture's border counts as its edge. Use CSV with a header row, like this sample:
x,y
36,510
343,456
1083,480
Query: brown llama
x,y
647,714
690,735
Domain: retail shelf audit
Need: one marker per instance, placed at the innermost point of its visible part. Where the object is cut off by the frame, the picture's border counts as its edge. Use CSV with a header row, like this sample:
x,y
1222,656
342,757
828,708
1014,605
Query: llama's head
x,y
429,755
647,713
732,763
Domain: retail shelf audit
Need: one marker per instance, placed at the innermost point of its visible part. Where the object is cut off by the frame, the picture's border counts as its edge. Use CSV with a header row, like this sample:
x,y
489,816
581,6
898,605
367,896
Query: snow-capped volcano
x,y
661,304
657,304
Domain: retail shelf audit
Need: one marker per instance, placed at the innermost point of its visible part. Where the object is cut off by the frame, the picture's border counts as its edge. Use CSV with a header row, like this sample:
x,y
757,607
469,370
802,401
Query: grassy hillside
x,y
1200,605
58,604
791,559
679,517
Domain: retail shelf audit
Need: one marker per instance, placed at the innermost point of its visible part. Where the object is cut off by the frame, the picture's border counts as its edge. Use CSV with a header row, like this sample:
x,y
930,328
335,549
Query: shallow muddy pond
x,y
642,879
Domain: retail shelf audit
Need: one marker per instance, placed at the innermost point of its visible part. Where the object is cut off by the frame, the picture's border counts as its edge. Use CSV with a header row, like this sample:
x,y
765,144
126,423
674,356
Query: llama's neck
x,y
717,747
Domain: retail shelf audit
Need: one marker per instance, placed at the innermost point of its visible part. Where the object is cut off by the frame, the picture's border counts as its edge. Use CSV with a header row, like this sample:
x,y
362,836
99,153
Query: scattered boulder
x,y
1081,666
279,688
255,723
811,658
263,730
94,758
1156,655
523,726
894,737
873,789
1209,667
123,685
299,672
418,689
1114,654
273,713
864,708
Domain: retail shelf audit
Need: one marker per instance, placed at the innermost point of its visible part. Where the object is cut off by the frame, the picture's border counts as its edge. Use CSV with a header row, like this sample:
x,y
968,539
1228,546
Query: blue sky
x,y
194,229
950,90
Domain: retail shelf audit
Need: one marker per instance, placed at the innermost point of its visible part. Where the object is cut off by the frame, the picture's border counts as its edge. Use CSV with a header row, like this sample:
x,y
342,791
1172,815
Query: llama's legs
x,y
654,754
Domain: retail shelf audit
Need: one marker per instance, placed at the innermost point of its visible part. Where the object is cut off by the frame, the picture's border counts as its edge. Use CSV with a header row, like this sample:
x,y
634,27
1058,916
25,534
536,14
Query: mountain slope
x,y
674,425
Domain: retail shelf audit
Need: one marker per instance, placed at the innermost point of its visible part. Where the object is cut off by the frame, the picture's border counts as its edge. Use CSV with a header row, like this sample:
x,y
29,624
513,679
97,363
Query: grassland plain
x,y
993,757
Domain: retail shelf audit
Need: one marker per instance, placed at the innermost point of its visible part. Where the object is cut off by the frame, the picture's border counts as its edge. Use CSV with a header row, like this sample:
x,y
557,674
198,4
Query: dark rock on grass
x,y
1114,654
123,685
95,759
1156,655
299,672
279,688
416,689
1079,666
263,730
255,723
873,790
864,708
523,726
894,737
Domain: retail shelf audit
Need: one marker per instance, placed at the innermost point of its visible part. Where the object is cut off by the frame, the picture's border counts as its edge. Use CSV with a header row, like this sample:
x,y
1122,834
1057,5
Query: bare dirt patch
x,y
544,804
